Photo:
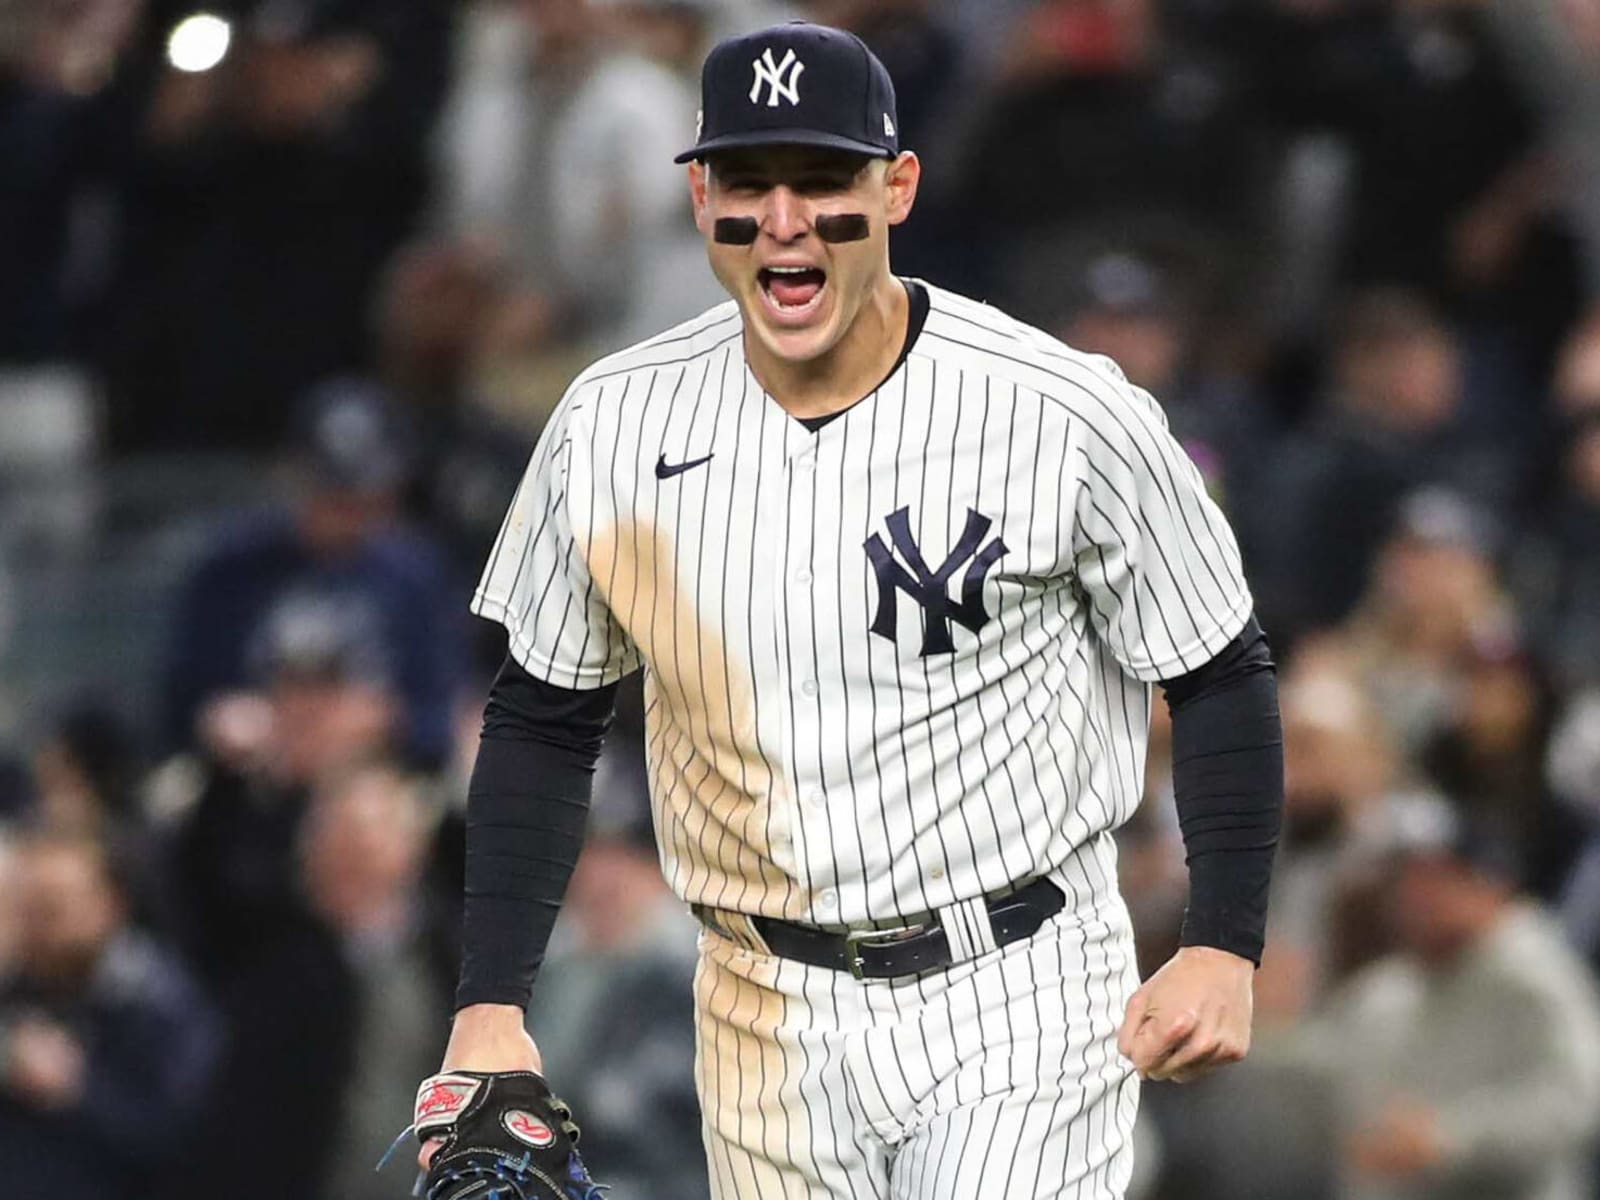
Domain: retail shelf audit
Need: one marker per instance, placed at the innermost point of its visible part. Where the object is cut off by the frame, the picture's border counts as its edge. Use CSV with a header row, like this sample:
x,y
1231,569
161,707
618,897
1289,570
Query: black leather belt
x,y
891,953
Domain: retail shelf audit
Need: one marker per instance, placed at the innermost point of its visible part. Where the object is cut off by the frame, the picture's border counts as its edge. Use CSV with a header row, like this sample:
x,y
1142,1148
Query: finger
x,y
1201,1055
1159,1066
429,1149
1199,1068
1133,1019
1160,1037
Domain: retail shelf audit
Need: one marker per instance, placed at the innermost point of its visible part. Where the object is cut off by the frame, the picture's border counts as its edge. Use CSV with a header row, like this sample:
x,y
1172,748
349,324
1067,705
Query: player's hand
x,y
486,1037
1191,1016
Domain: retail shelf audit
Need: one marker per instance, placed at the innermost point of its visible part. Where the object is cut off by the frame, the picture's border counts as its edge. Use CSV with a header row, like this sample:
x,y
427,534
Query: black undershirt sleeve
x,y
1227,774
527,806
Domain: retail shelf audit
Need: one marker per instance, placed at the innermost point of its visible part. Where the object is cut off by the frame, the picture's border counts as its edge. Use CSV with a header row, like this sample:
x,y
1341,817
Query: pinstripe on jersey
x,y
803,766
997,1077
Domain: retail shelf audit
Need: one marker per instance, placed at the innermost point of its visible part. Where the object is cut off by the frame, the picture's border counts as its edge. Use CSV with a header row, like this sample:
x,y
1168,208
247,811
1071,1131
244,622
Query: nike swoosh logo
x,y
664,470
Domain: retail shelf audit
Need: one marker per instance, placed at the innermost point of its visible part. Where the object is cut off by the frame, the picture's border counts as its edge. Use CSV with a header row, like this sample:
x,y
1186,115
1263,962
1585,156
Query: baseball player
x,y
900,572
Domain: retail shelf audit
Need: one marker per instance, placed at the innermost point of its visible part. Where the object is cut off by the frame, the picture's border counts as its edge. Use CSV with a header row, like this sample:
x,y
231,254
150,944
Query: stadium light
x,y
199,42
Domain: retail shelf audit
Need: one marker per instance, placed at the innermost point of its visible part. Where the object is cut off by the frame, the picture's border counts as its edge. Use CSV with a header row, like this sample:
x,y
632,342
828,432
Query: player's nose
x,y
788,218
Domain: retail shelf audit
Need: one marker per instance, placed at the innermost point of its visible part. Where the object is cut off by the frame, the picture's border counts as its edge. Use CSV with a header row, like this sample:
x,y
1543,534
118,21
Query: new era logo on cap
x,y
797,84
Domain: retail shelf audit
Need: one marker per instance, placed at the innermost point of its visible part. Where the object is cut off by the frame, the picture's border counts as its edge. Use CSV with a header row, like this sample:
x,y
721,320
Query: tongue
x,y
795,291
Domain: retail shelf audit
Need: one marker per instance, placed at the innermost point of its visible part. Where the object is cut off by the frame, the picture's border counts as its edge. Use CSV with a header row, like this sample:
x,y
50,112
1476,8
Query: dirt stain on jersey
x,y
711,785
748,1092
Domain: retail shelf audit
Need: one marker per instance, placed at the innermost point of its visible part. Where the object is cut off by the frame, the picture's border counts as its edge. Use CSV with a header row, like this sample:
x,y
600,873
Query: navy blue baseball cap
x,y
796,85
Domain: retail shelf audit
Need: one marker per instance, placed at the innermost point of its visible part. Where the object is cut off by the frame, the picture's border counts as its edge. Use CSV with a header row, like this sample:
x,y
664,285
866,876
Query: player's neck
x,y
857,364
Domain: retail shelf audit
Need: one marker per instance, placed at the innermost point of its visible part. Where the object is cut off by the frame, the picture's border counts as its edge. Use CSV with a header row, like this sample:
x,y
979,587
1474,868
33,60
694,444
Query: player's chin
x,y
797,336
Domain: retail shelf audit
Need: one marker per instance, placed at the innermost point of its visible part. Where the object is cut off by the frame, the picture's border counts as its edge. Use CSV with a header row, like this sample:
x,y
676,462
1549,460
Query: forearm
x,y
527,805
1227,752
526,810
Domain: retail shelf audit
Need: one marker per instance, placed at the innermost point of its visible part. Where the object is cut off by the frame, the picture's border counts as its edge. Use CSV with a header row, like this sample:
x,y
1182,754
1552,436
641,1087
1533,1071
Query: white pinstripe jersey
x,y
893,664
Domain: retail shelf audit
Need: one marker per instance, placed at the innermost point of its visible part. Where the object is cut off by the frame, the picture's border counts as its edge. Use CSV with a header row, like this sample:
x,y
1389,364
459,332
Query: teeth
x,y
789,270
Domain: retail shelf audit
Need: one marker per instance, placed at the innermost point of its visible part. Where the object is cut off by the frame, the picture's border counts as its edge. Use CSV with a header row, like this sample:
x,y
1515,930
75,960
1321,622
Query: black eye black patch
x,y
736,231
843,227
834,228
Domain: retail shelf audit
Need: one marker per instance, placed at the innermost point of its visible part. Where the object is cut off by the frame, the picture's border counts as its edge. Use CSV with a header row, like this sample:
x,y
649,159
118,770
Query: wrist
x,y
1206,929
491,1037
1218,955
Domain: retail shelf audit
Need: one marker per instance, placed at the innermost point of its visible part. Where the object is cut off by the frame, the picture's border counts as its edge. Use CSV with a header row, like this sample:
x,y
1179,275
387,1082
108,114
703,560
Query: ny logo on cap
x,y
772,74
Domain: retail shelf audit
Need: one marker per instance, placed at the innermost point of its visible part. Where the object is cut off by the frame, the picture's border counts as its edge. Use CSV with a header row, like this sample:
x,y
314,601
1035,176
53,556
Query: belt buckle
x,y
856,937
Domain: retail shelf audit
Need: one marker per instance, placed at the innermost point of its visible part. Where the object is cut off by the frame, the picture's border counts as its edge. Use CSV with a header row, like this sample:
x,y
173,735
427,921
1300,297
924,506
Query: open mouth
x,y
793,291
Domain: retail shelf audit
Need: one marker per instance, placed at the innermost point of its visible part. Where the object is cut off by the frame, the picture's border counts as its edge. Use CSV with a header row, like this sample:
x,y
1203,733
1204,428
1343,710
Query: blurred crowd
x,y
316,270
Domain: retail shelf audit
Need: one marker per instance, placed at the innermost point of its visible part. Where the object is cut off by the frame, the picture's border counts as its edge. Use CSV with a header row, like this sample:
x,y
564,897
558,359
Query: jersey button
x,y
802,576
817,798
809,687
830,899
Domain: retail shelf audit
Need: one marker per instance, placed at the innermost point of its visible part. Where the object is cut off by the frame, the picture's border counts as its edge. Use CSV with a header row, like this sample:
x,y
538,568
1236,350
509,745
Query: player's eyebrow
x,y
829,170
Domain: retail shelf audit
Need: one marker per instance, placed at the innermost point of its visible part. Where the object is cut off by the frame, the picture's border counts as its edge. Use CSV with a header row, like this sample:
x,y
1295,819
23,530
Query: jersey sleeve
x,y
537,582
1153,555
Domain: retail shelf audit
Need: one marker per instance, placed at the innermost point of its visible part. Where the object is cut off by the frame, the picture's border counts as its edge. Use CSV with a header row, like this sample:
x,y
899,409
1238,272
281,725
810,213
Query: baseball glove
x,y
505,1137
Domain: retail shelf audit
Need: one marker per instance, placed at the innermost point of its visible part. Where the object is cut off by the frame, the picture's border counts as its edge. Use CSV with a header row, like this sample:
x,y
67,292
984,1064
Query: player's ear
x,y
699,189
901,181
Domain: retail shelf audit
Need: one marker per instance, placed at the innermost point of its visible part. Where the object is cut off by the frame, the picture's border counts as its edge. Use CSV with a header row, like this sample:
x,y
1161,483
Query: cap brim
x,y
783,137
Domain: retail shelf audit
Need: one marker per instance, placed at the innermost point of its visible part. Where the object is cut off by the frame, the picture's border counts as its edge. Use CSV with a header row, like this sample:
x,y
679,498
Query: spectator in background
x,y
87,772
587,92
612,1005
1433,613
435,313
263,197
339,545
1340,767
326,706
1102,123
62,79
362,853
1391,425
629,258
1557,566
1488,753
333,993
108,1046
1462,220
1553,48
1466,1063
1131,308
518,65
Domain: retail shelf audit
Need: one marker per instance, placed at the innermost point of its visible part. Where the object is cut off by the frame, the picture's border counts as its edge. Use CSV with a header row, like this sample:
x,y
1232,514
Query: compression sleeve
x,y
1227,770
527,806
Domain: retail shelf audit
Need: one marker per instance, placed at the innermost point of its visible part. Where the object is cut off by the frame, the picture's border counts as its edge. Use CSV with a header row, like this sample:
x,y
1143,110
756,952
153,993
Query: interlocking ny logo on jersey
x,y
771,73
930,588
